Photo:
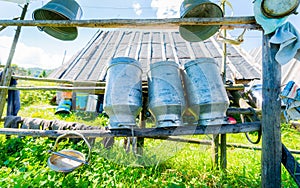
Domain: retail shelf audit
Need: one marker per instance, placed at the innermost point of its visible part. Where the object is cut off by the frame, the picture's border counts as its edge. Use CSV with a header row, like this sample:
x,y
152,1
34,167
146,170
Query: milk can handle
x,y
73,133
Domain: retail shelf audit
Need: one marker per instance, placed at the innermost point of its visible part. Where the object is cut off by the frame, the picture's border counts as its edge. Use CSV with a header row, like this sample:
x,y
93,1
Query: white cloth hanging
x,y
288,38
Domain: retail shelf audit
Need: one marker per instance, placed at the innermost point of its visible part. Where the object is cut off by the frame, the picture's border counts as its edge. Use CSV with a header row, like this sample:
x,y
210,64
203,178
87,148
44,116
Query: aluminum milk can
x,y
207,99
166,95
123,92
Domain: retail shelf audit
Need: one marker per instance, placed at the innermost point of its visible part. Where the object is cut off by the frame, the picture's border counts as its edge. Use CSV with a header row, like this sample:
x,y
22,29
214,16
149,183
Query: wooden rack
x,y
270,124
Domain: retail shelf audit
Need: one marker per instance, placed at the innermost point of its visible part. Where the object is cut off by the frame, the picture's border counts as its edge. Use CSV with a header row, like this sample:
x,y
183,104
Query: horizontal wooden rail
x,y
243,22
246,111
209,142
58,88
143,132
89,86
74,82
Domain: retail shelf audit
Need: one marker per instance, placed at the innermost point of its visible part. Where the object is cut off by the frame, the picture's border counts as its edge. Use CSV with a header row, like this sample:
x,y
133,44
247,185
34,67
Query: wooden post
x,y
6,75
215,150
141,140
271,143
223,159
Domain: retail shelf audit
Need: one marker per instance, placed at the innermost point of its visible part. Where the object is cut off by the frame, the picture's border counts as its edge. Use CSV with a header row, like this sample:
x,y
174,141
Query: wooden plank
x,y
142,132
82,83
173,23
223,158
271,137
291,164
215,150
246,111
7,73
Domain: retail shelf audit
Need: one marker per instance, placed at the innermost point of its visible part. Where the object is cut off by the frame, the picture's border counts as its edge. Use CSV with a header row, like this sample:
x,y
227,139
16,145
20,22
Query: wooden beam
x,y
271,110
231,22
291,164
62,81
246,111
142,132
58,88
7,72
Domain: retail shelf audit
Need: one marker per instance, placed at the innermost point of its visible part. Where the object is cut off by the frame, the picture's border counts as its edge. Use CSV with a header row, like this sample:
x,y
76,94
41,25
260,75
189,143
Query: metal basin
x,y
199,9
67,160
59,10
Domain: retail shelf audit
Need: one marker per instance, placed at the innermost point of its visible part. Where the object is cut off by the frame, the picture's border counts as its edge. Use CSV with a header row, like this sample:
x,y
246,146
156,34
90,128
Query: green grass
x,y
23,161
24,164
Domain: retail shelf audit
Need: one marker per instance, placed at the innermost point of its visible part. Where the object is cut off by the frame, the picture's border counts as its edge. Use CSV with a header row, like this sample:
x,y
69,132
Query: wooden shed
x,y
89,64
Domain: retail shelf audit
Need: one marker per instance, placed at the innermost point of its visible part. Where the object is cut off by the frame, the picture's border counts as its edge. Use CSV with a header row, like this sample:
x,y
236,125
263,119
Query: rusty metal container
x,y
206,95
123,92
166,95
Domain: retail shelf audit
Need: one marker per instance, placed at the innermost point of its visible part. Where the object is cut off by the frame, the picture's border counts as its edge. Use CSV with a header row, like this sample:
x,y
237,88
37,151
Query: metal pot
x,y
199,9
59,10
67,160
279,8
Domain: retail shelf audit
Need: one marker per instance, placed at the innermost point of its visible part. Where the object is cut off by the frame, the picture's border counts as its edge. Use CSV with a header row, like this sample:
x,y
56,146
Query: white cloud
x,y
167,9
137,8
28,56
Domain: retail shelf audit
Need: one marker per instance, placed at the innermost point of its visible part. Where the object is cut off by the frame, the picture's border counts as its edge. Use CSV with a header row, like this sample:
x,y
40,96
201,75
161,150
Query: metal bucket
x,y
81,101
91,105
67,160
199,9
64,106
206,95
279,8
166,95
123,92
59,10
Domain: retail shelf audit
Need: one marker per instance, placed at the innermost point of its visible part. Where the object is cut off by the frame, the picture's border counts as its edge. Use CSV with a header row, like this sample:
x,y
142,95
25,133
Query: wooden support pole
x,y
7,73
223,158
271,141
215,150
231,22
142,116
291,164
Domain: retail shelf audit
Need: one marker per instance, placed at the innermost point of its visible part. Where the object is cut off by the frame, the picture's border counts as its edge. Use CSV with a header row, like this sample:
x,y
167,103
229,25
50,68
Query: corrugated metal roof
x,y
151,46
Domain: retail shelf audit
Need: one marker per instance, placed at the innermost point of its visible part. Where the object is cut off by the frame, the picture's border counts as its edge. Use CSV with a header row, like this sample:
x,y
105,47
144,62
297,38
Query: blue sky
x,y
37,49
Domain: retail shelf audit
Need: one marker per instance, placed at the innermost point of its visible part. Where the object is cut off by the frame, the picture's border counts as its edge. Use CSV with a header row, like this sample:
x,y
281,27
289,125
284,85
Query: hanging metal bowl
x,y
279,8
67,160
199,9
